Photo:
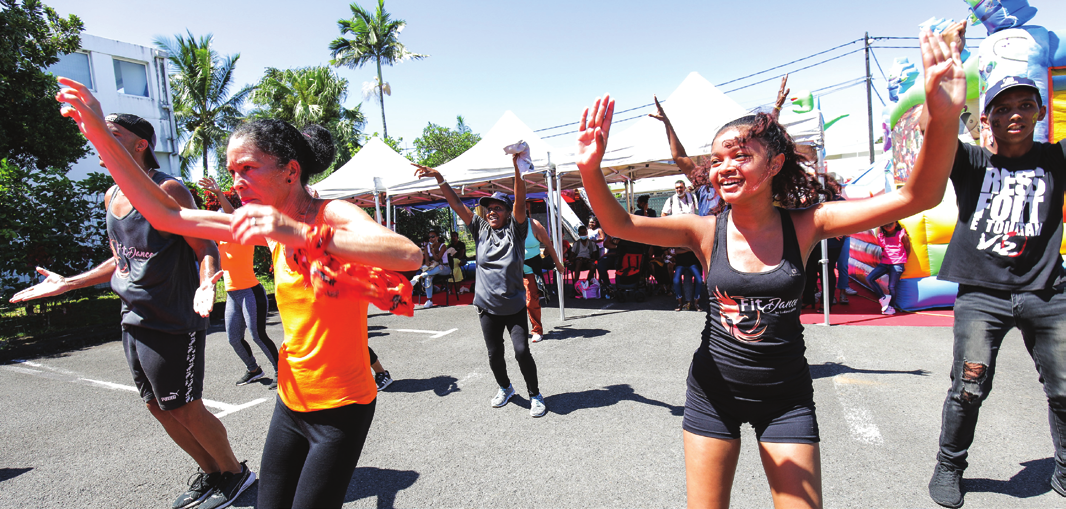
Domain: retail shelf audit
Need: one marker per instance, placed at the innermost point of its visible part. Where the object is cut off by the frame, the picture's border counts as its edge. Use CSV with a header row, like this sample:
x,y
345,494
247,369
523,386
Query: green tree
x,y
204,109
439,144
32,132
374,38
311,95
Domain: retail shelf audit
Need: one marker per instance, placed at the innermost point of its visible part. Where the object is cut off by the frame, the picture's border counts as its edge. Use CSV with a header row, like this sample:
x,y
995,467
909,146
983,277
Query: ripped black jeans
x,y
982,318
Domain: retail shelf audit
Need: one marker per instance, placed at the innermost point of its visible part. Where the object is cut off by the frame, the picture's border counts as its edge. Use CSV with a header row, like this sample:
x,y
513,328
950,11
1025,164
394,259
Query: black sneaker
x,y
251,376
229,487
945,488
1058,483
383,380
200,486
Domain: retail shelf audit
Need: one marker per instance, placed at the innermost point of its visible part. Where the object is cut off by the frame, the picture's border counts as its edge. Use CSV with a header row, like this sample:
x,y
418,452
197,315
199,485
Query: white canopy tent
x,y
356,177
484,168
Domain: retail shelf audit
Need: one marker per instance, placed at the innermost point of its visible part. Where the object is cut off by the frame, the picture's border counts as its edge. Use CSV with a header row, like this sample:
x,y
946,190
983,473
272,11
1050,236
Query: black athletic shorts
x,y
166,367
790,423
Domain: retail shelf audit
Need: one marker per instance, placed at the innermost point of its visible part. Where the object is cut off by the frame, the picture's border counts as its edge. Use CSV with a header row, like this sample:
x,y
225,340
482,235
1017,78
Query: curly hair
x,y
792,187
312,147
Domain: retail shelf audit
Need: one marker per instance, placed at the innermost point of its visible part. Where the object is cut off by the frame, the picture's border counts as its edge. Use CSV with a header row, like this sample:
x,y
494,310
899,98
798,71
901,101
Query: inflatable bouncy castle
x,y
1012,48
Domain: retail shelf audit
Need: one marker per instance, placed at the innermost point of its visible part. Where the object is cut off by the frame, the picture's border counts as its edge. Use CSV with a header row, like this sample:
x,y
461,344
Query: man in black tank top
x,y
155,274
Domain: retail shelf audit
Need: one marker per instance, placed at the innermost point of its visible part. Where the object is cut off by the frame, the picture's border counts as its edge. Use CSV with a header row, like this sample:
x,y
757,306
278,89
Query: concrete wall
x,y
155,108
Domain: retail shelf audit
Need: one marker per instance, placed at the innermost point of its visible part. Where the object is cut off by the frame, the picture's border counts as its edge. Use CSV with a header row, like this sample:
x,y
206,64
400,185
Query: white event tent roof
x,y
697,109
484,168
356,177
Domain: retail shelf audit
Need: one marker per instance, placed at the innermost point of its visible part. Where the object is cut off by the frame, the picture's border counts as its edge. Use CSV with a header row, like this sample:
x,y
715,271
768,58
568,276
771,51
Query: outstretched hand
x,y
593,133
945,78
659,114
203,301
84,108
53,284
210,185
782,93
425,171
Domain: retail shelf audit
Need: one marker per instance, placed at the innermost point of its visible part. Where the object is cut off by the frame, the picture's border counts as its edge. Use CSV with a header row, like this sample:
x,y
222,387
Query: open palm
x,y
593,133
945,78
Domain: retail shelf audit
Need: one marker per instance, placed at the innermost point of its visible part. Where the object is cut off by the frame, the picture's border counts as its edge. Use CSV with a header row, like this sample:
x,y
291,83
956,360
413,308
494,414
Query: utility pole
x,y
869,98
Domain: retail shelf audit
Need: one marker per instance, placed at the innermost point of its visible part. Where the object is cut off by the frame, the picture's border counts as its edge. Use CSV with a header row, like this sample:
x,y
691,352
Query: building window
x,y
74,66
131,78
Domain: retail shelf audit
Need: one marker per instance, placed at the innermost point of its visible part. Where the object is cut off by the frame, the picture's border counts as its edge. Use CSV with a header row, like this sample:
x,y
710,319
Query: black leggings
x,y
309,457
493,327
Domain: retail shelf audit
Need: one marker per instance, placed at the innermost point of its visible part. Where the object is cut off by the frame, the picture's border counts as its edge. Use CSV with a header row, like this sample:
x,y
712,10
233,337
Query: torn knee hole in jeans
x,y
967,397
973,371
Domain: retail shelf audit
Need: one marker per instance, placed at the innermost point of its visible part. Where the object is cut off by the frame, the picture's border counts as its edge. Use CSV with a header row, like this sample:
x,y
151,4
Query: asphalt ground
x,y
74,435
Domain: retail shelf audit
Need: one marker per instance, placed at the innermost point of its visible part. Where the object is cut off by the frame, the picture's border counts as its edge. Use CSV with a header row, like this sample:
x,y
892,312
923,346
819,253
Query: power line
x,y
789,63
793,71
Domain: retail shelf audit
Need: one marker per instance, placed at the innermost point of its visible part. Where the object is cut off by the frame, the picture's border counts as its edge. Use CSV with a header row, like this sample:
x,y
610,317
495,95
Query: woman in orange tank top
x,y
326,391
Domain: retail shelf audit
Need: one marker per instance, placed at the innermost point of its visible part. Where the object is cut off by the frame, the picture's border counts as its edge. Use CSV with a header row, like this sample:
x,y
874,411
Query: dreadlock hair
x,y
792,187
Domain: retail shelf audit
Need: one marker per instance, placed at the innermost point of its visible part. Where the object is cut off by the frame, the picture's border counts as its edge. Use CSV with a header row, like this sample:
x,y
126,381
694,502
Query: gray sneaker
x,y
945,488
502,396
201,484
537,407
229,487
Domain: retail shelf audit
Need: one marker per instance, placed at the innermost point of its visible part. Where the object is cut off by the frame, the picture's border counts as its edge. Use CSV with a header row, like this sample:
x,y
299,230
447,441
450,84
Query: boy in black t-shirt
x,y
1005,256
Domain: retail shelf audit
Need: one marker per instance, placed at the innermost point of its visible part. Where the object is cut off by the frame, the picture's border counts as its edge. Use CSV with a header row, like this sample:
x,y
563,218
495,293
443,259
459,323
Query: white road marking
x,y
73,377
434,334
469,376
859,418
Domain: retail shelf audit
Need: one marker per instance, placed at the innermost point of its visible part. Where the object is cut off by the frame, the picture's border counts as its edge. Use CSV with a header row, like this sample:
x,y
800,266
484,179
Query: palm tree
x,y
374,39
310,95
204,109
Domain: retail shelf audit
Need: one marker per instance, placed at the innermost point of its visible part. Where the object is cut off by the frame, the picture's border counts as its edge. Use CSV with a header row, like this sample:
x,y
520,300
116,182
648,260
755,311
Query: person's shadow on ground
x,y
831,369
567,331
381,483
11,473
440,385
566,403
1033,480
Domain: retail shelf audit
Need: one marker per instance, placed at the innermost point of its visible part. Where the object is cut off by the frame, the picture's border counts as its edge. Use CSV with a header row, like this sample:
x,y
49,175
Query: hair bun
x,y
322,148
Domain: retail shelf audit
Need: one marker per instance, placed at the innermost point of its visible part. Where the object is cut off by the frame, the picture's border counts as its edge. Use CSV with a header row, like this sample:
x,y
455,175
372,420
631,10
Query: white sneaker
x,y
537,407
502,396
849,291
537,338
884,302
427,305
889,311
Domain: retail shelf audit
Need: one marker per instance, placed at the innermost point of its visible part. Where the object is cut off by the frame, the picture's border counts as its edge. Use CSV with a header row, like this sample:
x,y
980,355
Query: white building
x,y
125,78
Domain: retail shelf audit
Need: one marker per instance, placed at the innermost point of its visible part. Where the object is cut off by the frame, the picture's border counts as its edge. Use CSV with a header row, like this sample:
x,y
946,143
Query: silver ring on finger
x,y
253,221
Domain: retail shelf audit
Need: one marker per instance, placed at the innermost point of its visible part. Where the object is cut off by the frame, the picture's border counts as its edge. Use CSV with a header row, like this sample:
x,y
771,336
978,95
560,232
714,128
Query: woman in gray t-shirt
x,y
499,294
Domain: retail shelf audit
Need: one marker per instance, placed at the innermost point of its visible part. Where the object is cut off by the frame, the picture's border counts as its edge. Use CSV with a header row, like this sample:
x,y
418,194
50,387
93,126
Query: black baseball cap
x,y
497,196
1008,83
140,127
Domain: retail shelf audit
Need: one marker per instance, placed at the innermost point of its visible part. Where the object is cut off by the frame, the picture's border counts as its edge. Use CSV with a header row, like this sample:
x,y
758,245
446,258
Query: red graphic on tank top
x,y
729,311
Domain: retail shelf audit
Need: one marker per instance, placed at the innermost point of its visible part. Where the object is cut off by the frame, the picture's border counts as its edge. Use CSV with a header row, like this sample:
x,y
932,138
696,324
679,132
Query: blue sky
x,y
547,60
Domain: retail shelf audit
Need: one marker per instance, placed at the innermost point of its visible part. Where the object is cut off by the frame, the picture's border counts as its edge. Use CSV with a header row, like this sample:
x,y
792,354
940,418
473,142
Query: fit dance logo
x,y
123,254
1009,209
737,311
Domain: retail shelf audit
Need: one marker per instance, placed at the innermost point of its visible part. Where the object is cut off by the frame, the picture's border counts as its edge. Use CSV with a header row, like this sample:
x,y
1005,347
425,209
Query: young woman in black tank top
x,y
750,365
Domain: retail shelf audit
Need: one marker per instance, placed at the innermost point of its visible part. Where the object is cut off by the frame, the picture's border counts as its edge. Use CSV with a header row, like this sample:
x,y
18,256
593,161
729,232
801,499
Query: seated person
x,y
434,262
582,253
609,260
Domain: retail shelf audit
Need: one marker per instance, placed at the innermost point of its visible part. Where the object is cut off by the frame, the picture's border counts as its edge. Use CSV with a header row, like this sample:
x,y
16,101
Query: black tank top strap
x,y
791,249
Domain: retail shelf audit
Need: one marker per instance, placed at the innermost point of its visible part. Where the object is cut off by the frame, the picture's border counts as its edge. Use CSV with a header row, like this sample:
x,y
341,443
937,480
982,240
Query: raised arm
x,y
677,151
782,96
210,185
454,202
675,230
945,91
162,211
518,208
542,235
